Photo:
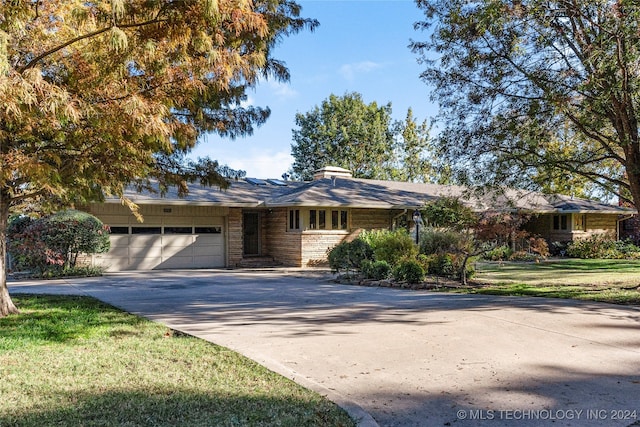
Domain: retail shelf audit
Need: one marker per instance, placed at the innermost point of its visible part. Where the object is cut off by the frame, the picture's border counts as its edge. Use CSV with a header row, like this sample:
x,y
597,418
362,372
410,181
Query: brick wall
x,y
315,245
234,237
283,246
370,219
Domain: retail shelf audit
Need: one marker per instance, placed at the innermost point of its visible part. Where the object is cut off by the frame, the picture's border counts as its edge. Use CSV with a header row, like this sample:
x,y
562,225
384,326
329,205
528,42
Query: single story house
x,y
256,222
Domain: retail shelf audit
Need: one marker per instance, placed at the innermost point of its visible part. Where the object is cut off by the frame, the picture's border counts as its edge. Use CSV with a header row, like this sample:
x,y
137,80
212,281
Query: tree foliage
x,y
346,132
56,240
536,92
415,151
97,95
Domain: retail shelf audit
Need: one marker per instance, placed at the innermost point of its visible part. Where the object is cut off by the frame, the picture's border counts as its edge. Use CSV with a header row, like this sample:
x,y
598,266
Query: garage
x,y
169,238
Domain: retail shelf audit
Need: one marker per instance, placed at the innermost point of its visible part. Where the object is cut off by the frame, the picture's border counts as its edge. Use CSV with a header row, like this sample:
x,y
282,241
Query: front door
x,y
251,221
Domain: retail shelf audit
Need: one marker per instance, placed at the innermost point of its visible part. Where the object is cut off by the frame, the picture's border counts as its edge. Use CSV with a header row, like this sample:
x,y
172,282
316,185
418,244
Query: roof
x,y
366,193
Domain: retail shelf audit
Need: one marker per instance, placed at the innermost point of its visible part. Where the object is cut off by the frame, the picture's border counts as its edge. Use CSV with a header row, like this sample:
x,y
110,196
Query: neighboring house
x,y
256,222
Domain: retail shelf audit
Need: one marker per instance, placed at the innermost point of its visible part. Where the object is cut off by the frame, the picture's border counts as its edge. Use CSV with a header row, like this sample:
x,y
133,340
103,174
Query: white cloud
x,y
349,71
283,90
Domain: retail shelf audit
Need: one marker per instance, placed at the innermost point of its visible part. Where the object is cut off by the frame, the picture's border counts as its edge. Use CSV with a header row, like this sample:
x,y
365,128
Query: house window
x,y
294,219
318,219
312,219
560,222
322,220
339,220
581,222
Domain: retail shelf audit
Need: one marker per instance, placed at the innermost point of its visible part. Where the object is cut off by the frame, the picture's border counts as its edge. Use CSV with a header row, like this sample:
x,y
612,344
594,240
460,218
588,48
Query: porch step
x,y
259,262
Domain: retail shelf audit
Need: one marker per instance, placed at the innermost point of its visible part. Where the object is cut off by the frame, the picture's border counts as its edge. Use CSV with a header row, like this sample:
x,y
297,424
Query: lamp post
x,y
417,218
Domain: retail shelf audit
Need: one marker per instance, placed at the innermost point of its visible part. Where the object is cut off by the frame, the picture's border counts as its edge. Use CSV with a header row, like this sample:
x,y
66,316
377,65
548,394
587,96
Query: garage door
x,y
161,247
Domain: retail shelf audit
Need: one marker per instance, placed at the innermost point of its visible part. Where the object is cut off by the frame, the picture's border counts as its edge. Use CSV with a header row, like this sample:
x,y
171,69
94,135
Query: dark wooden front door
x,y
251,221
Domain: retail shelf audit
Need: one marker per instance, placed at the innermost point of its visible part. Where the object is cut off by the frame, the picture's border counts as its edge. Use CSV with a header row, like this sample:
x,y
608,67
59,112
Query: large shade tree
x,y
537,92
344,131
96,95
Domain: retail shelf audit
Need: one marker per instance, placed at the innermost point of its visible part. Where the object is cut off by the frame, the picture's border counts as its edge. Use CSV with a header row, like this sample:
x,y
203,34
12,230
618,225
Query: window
x,y
312,219
339,220
581,222
322,220
294,219
208,230
146,230
560,222
177,230
119,230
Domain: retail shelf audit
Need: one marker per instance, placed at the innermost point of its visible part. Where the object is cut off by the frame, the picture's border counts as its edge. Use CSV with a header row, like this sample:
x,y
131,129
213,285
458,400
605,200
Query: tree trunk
x,y
6,305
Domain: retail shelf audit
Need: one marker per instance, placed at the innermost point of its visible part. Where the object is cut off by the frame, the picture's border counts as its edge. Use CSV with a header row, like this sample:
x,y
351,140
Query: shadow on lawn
x,y
60,319
179,408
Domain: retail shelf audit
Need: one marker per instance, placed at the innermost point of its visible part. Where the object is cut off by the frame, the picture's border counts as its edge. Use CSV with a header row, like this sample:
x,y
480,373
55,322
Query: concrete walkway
x,y
403,358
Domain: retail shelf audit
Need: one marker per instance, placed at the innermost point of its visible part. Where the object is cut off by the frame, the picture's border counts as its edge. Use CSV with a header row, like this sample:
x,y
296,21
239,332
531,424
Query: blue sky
x,y
360,46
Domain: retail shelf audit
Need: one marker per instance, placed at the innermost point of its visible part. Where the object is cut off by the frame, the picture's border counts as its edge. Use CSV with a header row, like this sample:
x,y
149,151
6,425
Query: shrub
x,y
501,253
390,246
347,256
55,241
376,270
410,271
442,265
595,246
539,245
433,241
523,256
72,232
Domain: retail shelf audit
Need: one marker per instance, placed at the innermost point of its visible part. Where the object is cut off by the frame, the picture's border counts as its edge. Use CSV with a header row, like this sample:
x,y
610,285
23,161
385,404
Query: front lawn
x,y
70,361
614,281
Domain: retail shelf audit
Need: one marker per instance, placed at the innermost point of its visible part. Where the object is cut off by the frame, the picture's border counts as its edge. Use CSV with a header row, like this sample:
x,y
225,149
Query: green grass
x,y
613,281
70,361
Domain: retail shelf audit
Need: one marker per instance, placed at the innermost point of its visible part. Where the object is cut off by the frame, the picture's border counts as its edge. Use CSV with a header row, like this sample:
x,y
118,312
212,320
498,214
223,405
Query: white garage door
x,y
161,247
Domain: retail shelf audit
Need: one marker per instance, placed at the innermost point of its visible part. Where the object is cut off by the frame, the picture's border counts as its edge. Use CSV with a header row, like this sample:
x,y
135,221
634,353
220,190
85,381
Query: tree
x,y
414,151
56,240
344,132
98,95
533,90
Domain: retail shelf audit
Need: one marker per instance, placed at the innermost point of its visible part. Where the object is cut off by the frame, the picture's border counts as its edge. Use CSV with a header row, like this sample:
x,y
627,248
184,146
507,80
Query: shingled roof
x,y
365,193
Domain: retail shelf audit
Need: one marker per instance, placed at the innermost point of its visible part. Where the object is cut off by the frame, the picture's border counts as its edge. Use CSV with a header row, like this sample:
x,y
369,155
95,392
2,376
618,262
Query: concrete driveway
x,y
403,358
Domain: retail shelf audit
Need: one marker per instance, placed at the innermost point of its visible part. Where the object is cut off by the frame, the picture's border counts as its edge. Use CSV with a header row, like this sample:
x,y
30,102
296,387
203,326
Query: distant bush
x,y
376,270
409,271
347,256
604,247
595,246
390,246
523,256
434,241
501,253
